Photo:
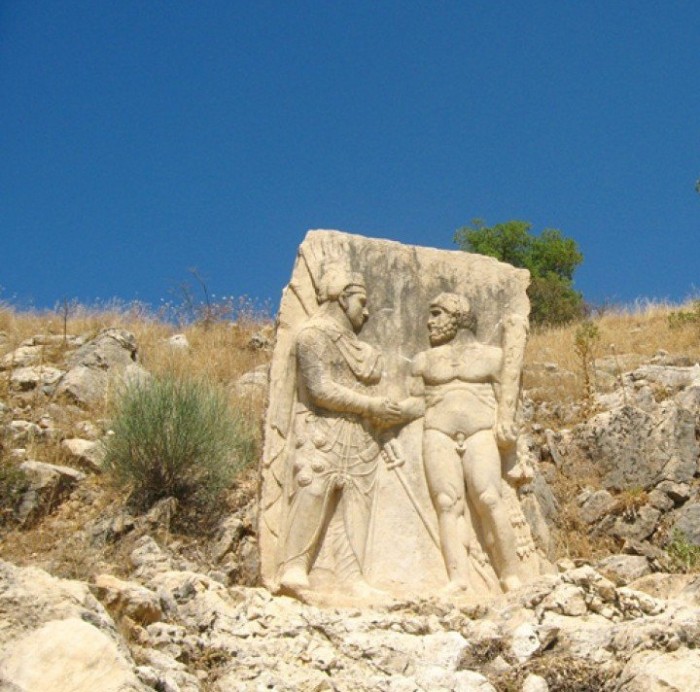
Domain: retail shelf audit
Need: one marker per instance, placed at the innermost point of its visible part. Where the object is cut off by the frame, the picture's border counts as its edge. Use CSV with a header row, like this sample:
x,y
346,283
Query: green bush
x,y
177,438
684,555
551,259
13,484
680,318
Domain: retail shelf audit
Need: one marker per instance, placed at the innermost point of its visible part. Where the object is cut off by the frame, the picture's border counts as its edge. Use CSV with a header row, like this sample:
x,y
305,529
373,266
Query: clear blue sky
x,y
140,138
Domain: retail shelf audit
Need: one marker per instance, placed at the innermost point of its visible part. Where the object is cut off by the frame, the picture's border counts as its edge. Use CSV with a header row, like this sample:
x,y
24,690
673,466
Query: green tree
x,y
551,258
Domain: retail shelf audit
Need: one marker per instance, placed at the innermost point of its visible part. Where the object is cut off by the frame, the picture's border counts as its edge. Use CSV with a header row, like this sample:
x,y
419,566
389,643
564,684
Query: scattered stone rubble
x,y
183,630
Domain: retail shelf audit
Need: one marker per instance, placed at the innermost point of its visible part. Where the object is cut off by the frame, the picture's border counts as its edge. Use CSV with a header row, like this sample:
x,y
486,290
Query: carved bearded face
x,y
442,325
354,303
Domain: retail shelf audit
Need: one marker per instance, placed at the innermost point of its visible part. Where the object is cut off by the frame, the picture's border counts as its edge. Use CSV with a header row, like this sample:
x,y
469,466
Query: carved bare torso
x,y
458,382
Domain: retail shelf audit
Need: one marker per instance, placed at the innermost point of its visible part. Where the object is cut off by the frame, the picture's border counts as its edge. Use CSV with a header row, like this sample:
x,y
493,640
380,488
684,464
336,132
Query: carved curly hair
x,y
459,307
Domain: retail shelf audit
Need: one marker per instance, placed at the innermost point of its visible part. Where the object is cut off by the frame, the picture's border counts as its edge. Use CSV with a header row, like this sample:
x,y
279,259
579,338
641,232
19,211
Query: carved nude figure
x,y
456,385
333,465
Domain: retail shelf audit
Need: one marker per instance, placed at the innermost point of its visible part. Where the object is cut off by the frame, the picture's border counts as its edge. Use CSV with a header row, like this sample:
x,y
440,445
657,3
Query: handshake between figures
x,y
387,413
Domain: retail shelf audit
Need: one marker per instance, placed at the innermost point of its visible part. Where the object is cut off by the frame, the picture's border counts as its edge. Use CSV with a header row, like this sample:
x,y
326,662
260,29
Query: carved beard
x,y
441,335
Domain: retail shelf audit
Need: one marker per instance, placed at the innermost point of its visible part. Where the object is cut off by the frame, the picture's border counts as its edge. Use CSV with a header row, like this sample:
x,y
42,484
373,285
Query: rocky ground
x,y
94,596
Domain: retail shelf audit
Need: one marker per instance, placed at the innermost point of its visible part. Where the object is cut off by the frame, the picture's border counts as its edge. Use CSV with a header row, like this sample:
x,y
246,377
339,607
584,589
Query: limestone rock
x,y
48,485
30,597
149,558
67,656
636,525
56,636
654,671
127,598
178,342
86,452
535,683
596,505
98,365
23,431
662,586
261,340
687,520
253,383
21,357
669,377
633,448
67,340
623,569
31,377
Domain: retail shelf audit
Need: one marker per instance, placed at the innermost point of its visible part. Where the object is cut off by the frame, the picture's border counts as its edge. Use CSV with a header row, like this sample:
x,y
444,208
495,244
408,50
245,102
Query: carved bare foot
x,y
294,581
454,587
510,583
361,589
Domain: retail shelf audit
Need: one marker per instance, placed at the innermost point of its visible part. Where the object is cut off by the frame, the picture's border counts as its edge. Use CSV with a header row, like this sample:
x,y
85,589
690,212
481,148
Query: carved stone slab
x,y
402,551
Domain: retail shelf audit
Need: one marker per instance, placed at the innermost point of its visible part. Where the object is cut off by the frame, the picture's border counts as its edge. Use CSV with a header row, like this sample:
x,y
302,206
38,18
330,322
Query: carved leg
x,y
446,486
308,516
482,469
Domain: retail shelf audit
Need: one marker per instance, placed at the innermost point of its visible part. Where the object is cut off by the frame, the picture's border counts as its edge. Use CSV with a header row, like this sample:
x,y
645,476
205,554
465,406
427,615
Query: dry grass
x,y
642,328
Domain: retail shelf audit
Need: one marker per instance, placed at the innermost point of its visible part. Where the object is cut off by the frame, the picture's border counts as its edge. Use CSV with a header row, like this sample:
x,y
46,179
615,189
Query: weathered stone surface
x,y
30,597
67,340
672,378
354,419
101,363
149,558
48,485
253,383
25,379
688,521
21,357
633,448
127,598
54,635
66,656
623,569
86,452
661,585
23,431
654,671
535,683
178,342
596,505
637,525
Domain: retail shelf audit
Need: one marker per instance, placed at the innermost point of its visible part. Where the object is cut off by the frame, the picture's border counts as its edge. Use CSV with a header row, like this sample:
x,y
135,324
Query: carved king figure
x,y
335,451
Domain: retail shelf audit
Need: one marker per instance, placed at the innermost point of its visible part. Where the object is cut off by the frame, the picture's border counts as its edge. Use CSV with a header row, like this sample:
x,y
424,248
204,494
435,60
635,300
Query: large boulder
x,y
56,636
67,656
103,362
633,448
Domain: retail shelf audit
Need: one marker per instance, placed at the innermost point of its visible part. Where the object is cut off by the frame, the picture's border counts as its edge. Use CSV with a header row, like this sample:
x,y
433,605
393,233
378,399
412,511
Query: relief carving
x,y
390,463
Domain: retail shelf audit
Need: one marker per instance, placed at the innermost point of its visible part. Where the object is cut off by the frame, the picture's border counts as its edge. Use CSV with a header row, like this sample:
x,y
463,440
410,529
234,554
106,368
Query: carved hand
x,y
506,433
392,456
386,412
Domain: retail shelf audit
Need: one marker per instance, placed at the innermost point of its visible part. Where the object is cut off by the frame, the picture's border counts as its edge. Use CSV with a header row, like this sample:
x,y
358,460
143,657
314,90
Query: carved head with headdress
x,y
347,288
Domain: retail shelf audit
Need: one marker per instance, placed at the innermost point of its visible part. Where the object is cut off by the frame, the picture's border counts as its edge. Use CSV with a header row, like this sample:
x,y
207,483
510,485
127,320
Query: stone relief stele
x,y
390,465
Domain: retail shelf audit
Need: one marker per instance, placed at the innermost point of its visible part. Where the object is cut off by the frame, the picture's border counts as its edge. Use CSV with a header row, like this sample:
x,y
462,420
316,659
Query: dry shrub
x,y
177,437
563,673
